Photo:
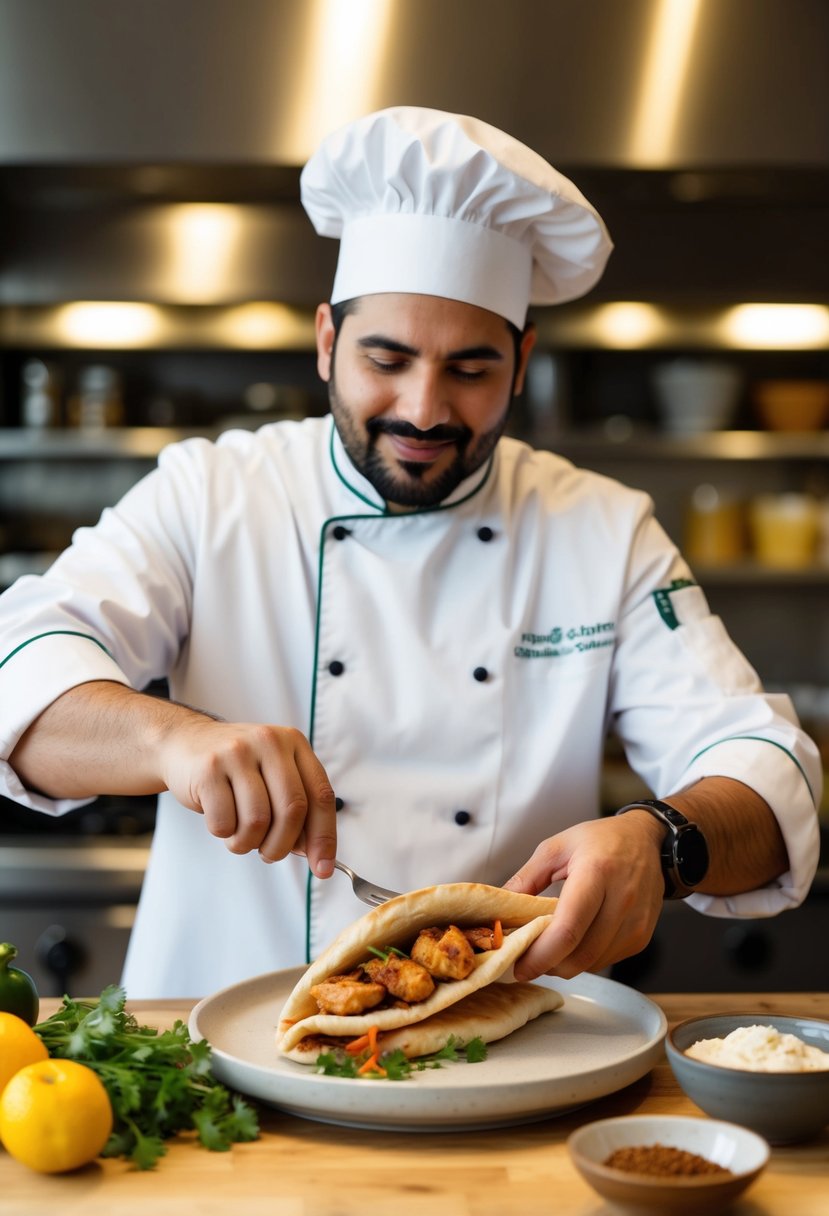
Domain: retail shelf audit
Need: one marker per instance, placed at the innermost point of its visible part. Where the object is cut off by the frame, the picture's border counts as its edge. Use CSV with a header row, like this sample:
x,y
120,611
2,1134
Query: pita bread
x,y
397,923
489,1014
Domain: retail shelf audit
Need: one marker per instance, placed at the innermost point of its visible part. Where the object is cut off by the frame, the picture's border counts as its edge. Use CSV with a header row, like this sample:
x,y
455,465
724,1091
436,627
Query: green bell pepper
x,y
18,993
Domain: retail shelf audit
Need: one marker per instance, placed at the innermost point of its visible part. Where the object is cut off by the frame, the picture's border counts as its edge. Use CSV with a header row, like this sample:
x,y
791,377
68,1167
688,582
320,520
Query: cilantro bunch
x,y
159,1082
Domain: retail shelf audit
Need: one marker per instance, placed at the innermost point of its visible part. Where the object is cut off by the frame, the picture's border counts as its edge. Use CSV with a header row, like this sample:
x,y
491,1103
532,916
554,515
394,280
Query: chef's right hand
x,y
258,786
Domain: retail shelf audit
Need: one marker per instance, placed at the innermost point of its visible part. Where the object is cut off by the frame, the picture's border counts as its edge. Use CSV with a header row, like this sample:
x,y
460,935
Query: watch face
x,y
691,857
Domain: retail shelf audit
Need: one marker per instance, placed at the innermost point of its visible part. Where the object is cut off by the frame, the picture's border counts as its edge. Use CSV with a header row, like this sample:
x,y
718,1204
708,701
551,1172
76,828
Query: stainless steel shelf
x,y
145,442
752,574
714,445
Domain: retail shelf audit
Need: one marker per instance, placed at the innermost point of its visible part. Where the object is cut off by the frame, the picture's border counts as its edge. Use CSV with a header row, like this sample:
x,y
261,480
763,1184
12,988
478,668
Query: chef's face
x,y
422,390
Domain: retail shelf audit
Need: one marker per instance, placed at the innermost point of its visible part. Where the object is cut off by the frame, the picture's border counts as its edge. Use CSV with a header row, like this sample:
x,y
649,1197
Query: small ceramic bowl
x,y
741,1152
784,1107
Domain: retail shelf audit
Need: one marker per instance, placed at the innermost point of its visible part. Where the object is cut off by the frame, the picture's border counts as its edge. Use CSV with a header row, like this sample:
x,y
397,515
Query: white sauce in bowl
x,y
760,1049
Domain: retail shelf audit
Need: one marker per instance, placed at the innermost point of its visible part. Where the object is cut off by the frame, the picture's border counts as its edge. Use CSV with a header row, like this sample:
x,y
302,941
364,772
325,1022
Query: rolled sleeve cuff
x,y
790,784
34,675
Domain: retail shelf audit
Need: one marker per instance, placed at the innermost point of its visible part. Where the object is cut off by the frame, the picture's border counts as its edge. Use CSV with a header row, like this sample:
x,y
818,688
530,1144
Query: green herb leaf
x,y
476,1051
158,1083
336,1064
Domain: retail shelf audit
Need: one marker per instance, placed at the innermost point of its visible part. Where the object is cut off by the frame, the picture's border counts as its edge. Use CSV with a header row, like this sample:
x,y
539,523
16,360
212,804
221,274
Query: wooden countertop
x,y
300,1168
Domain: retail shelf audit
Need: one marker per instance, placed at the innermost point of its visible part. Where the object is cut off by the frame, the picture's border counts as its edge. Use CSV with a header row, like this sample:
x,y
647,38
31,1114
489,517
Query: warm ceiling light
x,y
260,326
203,243
107,324
344,54
627,324
777,326
663,79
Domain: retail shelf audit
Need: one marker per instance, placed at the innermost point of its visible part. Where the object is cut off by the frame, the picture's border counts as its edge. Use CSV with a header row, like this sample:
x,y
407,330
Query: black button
x,y
336,667
340,533
485,534
338,804
480,674
462,818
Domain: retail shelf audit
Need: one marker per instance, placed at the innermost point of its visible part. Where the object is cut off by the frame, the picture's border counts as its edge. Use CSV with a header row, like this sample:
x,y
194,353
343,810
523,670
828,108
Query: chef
x,y
394,636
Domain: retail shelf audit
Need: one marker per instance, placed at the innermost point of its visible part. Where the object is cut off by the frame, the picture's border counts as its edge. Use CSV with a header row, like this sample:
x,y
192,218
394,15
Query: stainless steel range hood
x,y
633,83
699,127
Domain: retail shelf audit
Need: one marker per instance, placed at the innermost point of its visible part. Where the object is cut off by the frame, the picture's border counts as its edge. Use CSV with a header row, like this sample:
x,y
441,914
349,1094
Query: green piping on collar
x,y
384,510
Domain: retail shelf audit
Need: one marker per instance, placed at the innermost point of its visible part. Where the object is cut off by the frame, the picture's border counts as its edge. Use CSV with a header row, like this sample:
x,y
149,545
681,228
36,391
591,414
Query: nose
x,y
421,401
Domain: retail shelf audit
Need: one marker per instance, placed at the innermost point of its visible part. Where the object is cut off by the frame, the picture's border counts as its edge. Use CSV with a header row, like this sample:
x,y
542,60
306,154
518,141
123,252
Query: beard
x,y
407,483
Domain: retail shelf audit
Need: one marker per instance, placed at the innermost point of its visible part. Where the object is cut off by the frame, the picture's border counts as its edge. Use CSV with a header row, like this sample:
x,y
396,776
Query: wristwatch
x,y
684,852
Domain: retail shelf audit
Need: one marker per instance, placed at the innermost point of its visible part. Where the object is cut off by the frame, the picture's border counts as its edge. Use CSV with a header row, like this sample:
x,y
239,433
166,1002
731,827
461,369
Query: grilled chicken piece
x,y
481,938
347,994
403,978
445,953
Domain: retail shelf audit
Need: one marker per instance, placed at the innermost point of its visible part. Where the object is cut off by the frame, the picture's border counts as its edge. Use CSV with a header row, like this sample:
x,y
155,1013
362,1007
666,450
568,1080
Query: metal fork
x,y
367,891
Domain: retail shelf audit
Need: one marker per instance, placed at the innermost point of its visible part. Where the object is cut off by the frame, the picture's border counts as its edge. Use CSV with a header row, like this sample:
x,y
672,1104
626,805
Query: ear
x,y
325,334
528,340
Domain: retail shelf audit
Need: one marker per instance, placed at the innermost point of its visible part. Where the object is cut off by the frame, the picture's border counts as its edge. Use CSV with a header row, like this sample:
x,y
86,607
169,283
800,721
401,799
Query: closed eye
x,y
468,373
387,366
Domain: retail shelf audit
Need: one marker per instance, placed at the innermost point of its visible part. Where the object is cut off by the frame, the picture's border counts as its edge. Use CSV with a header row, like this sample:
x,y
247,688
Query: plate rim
x,y
304,1094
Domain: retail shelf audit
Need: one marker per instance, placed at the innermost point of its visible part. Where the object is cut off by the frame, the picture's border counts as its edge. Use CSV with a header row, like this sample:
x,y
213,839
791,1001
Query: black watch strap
x,y
684,852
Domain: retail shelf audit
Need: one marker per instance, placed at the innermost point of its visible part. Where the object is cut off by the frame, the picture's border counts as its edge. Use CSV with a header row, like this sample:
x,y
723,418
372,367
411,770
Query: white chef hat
x,y
442,204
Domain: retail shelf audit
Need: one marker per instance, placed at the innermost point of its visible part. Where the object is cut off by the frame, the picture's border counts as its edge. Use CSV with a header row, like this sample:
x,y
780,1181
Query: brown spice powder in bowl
x,y
667,1165
662,1161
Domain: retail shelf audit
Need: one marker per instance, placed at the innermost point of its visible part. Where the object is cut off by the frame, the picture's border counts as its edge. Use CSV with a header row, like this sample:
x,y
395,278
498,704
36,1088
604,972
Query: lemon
x,y
19,1046
55,1116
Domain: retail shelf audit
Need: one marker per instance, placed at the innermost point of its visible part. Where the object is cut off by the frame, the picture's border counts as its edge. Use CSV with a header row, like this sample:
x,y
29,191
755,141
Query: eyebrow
x,y
485,351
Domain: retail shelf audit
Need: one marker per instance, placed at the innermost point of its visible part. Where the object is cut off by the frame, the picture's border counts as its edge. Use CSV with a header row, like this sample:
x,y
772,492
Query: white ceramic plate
x,y
604,1037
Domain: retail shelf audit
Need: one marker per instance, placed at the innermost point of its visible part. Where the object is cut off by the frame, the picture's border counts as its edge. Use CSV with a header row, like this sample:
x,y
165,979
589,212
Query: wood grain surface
x,y
300,1168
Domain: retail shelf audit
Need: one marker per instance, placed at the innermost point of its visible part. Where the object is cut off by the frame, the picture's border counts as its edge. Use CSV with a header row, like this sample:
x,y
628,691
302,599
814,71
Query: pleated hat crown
x,y
442,204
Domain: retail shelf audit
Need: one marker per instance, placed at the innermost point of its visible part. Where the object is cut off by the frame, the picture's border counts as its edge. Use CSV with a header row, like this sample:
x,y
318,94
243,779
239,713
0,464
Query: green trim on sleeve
x,y
772,743
662,599
71,633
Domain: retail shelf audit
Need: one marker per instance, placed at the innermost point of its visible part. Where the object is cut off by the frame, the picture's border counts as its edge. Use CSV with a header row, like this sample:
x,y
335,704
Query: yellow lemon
x,y
19,1046
55,1116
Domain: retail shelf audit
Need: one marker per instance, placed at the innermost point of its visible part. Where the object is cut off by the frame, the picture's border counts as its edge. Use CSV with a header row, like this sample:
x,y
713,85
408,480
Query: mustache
x,y
404,430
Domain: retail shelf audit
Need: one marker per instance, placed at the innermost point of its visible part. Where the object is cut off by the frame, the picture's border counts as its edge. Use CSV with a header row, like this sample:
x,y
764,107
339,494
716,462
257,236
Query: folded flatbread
x,y
475,1007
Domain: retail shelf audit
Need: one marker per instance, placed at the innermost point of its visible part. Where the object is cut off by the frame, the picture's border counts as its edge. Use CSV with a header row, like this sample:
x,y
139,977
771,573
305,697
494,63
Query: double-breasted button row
x,y
337,668
462,818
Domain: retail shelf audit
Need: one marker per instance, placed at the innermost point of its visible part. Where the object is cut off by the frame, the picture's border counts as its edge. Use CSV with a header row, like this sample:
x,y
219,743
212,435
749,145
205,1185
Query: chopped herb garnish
x,y
396,1065
384,954
476,1051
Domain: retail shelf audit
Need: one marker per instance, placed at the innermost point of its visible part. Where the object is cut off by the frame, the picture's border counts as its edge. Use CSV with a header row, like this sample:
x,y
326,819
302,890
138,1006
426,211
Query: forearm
x,y
745,844
97,738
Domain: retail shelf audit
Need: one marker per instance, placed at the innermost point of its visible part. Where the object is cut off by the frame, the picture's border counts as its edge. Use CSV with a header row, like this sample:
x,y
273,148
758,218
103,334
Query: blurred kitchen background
x,y
158,278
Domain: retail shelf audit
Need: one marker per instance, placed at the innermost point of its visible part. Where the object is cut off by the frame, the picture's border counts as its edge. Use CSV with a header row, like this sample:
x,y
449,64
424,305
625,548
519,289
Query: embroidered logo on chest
x,y
563,640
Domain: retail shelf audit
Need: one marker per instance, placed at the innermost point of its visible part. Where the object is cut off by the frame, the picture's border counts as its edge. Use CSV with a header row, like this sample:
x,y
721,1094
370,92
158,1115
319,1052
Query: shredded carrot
x,y
372,1064
497,936
368,1040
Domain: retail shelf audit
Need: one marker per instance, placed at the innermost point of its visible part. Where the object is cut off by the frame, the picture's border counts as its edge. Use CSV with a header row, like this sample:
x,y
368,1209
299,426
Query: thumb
x,y
520,883
544,867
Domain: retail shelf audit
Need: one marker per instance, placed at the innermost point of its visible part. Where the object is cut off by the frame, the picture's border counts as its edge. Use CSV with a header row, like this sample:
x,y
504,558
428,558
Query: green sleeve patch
x,y
662,599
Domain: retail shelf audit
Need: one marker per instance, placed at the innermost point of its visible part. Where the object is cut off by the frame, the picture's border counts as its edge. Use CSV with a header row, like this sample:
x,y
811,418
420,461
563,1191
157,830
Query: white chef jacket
x,y
456,670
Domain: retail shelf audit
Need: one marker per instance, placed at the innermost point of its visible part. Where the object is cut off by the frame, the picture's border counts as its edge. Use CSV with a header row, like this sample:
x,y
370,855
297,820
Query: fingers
x,y
260,788
609,904
303,814
558,948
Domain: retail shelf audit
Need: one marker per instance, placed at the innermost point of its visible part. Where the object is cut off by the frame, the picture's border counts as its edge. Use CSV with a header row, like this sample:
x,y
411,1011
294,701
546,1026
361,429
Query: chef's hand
x,y
258,787
610,900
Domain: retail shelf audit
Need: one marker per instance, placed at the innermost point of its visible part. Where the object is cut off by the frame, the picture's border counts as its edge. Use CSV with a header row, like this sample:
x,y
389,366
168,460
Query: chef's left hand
x,y
610,900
